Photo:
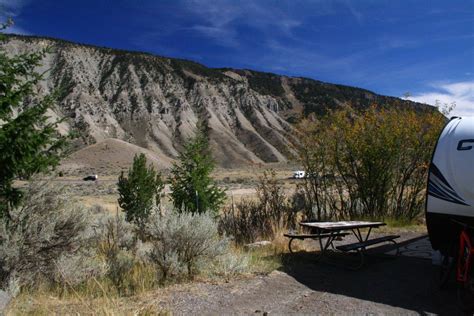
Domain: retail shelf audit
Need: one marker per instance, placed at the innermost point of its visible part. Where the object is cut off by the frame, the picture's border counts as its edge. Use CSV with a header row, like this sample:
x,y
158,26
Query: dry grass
x,y
251,174
108,202
46,304
239,183
101,297
265,260
396,228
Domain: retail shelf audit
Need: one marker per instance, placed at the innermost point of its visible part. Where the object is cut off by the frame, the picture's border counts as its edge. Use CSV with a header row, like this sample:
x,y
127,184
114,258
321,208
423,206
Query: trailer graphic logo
x,y
464,141
439,187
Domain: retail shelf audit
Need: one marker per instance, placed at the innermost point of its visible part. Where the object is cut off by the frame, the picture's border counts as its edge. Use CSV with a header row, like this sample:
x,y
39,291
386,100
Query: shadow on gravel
x,y
405,282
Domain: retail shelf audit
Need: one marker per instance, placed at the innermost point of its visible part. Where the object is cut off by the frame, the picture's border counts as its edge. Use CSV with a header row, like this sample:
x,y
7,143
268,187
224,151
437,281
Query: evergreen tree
x,y
193,189
139,191
29,142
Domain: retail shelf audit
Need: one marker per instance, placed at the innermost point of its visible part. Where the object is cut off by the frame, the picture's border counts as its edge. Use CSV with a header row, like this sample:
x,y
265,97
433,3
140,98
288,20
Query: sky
x,y
420,48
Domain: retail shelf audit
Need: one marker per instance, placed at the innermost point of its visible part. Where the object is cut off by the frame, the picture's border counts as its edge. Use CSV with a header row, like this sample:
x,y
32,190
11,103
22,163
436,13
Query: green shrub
x,y
248,221
230,264
116,244
74,269
46,227
139,191
370,164
29,140
110,266
183,242
192,188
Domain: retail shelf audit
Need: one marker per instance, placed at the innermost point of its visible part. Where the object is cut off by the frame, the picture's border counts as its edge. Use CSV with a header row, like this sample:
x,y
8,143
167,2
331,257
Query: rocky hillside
x,y
155,102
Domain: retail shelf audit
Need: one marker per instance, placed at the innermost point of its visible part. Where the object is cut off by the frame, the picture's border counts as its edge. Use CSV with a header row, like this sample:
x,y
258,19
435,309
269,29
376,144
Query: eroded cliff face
x,y
156,102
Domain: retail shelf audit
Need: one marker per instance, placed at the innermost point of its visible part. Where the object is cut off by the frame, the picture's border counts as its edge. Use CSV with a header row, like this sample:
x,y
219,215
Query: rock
x,y
155,102
5,298
258,244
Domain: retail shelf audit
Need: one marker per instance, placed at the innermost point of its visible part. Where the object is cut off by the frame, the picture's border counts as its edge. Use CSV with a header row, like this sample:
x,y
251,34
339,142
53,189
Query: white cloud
x,y
460,93
15,30
303,61
11,8
221,17
358,16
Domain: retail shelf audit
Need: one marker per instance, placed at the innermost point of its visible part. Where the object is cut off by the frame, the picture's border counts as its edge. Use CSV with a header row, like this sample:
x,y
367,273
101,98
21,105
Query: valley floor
x,y
238,183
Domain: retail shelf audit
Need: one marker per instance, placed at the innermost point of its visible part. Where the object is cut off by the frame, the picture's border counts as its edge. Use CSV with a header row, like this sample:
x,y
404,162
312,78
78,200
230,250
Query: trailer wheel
x,y
445,271
466,295
448,262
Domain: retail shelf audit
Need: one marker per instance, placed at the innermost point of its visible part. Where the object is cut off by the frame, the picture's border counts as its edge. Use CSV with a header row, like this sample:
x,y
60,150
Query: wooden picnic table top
x,y
342,225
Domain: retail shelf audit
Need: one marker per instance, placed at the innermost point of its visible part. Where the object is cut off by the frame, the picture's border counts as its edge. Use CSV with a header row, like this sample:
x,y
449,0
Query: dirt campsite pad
x,y
418,248
406,285
403,285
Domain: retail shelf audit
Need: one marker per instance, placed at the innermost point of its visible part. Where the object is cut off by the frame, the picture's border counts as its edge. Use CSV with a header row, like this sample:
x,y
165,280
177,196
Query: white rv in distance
x,y
299,174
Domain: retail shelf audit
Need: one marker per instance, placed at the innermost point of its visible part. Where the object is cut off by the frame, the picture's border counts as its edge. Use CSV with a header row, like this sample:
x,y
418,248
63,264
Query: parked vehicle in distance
x,y
91,178
299,174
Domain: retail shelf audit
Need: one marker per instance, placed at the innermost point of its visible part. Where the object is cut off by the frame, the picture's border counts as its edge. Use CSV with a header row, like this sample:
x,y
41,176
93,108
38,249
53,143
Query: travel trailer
x,y
299,174
450,192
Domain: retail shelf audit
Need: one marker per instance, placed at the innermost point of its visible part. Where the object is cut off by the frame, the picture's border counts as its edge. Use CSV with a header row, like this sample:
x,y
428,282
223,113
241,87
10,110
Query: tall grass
x,y
252,220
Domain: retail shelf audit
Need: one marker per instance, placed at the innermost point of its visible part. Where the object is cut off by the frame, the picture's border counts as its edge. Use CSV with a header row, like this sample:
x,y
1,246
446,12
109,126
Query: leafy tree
x,y
193,189
29,141
139,191
371,163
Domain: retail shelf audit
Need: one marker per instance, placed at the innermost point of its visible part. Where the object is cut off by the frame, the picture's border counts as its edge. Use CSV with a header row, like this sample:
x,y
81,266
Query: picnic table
x,y
330,231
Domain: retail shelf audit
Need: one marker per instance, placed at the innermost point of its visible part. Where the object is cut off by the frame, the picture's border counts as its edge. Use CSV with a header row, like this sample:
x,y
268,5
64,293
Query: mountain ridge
x,y
155,102
138,52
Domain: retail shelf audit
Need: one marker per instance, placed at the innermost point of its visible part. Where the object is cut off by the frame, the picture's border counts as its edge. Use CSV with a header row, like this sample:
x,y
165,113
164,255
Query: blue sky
x,y
425,47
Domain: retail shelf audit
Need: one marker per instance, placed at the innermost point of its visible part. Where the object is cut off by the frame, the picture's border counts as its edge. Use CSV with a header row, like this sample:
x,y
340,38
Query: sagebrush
x,y
47,226
184,242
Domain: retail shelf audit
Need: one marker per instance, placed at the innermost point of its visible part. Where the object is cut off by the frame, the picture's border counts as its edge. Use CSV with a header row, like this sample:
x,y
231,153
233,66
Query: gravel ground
x,y
4,300
386,285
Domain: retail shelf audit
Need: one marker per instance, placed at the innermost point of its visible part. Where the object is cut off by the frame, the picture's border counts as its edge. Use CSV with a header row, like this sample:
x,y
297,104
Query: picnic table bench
x,y
319,236
332,230
370,242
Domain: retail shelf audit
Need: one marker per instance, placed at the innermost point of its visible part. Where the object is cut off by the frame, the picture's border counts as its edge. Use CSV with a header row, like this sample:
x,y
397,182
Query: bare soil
x,y
109,157
386,285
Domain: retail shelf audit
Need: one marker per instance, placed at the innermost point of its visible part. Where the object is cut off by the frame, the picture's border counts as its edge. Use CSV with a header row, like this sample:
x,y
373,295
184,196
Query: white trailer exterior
x,y
450,193
299,174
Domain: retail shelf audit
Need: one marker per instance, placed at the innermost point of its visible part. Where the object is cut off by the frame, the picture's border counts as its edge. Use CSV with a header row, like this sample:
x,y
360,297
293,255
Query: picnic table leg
x,y
368,234
361,251
361,264
320,245
358,234
398,247
328,243
289,245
